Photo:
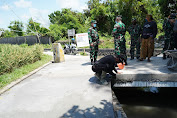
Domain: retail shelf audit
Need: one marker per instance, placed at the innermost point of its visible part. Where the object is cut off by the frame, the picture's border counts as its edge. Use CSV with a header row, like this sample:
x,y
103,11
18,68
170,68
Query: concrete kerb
x,y
118,110
12,84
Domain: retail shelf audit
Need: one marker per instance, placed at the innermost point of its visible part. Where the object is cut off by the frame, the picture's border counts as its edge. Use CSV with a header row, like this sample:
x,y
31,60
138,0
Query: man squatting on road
x,y
106,65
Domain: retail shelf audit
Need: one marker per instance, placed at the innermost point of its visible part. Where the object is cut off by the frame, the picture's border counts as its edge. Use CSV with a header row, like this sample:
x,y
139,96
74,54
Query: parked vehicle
x,y
70,49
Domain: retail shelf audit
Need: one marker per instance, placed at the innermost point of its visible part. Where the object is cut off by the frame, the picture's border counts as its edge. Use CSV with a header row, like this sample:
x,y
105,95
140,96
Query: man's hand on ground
x,y
119,72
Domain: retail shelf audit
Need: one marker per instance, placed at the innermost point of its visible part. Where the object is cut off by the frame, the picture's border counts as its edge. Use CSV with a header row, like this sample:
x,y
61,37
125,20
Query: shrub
x,y
14,56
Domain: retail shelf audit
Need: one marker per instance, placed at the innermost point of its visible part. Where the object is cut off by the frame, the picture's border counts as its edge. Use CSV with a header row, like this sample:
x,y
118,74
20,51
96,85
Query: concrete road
x,y
60,90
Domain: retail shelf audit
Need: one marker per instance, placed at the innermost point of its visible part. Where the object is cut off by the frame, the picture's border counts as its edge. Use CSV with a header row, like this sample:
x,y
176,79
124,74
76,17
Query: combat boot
x,y
92,62
164,56
126,63
137,57
132,58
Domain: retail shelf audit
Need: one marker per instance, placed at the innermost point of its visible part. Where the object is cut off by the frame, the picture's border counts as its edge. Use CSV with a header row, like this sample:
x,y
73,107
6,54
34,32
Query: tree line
x,y
103,12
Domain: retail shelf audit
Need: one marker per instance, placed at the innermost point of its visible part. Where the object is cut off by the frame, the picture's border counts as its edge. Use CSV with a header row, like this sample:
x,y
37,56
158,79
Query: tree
x,y
1,32
167,7
105,13
33,28
7,33
67,19
16,27
57,31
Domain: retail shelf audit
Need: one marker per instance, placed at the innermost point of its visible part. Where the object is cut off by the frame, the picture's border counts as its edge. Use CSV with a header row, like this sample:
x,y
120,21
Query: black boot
x,y
137,57
132,57
126,63
164,56
92,62
95,60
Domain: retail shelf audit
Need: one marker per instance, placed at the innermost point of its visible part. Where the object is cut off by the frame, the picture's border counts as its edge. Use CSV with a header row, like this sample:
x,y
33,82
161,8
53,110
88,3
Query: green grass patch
x,y
17,73
83,54
46,46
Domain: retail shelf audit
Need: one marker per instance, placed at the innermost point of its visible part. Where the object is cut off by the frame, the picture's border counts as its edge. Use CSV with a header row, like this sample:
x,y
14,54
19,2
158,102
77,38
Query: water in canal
x,y
148,102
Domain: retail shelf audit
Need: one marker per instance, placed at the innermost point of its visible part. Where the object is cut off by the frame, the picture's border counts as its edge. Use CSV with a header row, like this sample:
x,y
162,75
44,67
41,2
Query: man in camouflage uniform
x,y
93,41
169,34
119,39
135,31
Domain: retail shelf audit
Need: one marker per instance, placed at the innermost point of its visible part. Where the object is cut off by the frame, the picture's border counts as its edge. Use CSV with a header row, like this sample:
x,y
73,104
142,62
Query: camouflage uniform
x,y
93,38
135,31
119,39
169,36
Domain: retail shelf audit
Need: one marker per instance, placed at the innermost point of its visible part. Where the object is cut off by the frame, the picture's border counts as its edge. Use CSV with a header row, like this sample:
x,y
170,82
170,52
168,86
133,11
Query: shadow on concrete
x,y
86,64
106,111
94,80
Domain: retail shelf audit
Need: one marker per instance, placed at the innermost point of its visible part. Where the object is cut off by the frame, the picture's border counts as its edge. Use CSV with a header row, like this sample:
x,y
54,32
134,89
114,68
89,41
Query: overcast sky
x,y
39,10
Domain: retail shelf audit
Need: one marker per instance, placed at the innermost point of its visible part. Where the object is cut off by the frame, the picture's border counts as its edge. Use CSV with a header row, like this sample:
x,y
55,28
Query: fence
x,y
104,52
30,40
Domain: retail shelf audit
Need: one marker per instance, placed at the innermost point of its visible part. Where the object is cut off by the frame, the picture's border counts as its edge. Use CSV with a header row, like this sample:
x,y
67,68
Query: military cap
x,y
119,16
93,21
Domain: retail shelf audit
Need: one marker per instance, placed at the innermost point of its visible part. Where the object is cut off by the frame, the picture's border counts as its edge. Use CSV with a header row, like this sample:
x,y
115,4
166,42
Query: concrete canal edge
x,y
118,110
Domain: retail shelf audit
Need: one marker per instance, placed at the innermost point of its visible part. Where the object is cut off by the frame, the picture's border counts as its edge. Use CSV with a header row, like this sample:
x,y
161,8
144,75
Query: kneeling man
x,y
106,65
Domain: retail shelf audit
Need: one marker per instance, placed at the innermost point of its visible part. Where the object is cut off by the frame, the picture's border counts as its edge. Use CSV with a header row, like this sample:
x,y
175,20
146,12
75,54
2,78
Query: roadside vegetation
x,y
18,60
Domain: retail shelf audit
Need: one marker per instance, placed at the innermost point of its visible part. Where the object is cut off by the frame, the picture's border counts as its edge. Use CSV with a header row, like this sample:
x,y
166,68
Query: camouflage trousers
x,y
175,39
135,43
169,44
120,48
93,52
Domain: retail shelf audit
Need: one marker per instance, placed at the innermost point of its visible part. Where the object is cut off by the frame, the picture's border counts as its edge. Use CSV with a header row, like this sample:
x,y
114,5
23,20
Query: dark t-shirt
x,y
149,30
108,62
109,59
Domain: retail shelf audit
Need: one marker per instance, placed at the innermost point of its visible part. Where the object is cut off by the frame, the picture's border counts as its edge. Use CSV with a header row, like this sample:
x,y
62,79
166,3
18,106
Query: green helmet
x,y
93,21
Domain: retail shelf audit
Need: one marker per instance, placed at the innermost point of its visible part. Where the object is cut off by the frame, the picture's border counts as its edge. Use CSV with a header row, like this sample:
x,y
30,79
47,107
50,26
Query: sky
x,y
39,10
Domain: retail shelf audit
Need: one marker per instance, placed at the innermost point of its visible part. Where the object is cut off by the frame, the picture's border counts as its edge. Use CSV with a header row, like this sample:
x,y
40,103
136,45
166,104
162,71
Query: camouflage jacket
x,y
119,31
168,29
93,35
135,30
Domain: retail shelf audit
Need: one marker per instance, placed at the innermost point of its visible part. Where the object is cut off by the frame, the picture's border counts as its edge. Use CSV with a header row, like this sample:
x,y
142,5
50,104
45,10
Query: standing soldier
x,y
119,39
93,41
135,31
169,34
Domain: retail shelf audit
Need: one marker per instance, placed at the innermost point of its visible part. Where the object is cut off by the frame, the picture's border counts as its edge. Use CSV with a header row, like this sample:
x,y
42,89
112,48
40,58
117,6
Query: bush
x,y
14,56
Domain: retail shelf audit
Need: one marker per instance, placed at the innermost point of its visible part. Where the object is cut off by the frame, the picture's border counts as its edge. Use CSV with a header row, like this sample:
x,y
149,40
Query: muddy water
x,y
148,102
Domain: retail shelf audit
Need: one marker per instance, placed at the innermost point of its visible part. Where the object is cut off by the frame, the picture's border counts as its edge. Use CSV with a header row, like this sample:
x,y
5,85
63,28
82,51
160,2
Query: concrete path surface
x,y
60,90
156,71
